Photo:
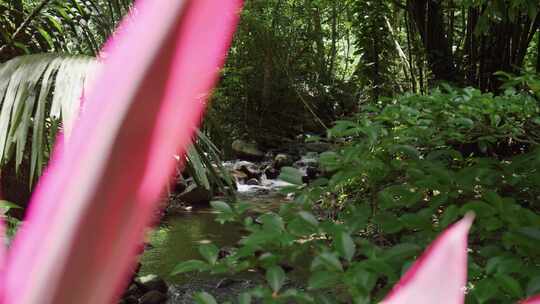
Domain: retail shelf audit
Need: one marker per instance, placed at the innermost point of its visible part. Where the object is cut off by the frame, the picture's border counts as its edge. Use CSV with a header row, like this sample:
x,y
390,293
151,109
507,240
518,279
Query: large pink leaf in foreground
x,y
440,274
92,206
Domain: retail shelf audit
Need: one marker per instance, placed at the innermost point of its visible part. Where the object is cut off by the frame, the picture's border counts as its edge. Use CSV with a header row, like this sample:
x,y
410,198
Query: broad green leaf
x,y
204,298
309,218
388,222
291,175
244,298
345,246
533,287
510,285
323,279
221,207
189,266
209,252
275,276
327,260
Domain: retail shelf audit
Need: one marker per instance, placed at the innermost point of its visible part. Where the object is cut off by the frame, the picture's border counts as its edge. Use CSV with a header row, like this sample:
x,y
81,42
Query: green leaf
x,y
244,298
464,122
510,285
209,252
401,252
323,279
533,287
388,222
327,260
309,218
204,298
275,276
480,208
221,207
291,175
345,246
329,161
5,206
407,150
450,215
272,222
484,290
189,266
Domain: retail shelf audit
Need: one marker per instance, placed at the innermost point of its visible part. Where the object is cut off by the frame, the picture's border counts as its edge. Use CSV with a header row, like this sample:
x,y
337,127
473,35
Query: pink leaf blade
x,y
89,214
532,300
440,274
3,241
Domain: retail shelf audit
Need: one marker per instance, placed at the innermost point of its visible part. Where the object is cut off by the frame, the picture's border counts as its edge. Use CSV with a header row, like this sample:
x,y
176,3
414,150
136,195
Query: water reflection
x,y
178,238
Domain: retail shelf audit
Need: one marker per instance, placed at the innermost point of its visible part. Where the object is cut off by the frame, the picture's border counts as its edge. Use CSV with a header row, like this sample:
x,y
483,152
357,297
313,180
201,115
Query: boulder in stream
x,y
282,160
318,147
249,168
271,173
247,151
195,195
151,282
153,297
253,182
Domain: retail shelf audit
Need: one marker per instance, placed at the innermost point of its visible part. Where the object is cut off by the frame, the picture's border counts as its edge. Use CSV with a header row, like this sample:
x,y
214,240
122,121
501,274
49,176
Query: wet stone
x,y
153,297
152,282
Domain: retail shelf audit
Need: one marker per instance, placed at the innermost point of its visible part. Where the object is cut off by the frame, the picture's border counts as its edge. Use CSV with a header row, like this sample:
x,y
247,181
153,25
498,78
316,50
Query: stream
x,y
179,235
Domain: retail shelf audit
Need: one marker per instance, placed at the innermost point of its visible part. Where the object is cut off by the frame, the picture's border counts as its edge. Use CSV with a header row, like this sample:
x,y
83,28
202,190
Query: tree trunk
x,y
538,52
428,17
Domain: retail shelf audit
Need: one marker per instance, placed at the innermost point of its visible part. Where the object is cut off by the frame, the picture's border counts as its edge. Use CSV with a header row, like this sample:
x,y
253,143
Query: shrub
x,y
405,170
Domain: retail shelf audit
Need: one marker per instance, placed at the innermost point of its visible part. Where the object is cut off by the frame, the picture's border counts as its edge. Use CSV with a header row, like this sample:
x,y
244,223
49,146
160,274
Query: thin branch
x,y
400,5
27,21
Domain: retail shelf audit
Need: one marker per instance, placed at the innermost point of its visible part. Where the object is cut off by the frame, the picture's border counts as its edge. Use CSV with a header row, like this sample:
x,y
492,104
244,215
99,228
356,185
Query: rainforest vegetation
x,y
388,120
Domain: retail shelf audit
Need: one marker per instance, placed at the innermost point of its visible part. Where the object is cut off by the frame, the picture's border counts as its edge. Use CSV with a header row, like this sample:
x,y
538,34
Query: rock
x,y
250,169
239,175
225,252
130,300
318,147
153,297
151,282
271,172
282,160
245,150
226,282
133,290
309,160
253,182
180,186
312,172
195,195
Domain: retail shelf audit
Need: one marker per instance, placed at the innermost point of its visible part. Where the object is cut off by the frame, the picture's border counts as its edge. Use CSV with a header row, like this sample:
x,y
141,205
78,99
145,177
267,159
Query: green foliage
x,y
12,223
74,27
407,168
40,95
290,55
37,93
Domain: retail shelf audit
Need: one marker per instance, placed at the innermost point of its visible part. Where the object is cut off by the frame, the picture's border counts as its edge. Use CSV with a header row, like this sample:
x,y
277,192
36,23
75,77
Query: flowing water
x,y
178,237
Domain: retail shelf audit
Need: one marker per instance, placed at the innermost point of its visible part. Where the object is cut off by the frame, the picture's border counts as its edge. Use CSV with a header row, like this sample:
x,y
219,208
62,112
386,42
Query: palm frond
x,y
39,93
72,26
204,164
34,90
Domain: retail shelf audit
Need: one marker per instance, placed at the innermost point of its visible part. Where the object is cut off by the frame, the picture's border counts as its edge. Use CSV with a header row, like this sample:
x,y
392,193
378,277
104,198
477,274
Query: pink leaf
x,y
89,212
533,300
440,274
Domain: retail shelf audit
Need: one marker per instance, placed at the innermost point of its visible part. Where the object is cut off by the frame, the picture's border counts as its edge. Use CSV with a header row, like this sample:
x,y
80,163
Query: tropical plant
x,y
406,168
93,206
74,27
41,96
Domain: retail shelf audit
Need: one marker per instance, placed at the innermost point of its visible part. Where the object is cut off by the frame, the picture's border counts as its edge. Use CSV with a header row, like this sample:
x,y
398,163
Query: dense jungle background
x,y
343,137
